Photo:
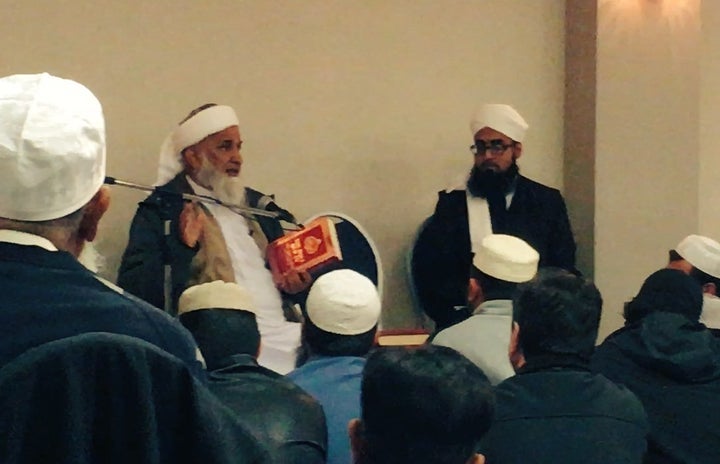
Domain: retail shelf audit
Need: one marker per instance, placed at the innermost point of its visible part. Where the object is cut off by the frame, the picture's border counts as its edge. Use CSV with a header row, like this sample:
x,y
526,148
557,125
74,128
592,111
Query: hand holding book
x,y
294,281
304,253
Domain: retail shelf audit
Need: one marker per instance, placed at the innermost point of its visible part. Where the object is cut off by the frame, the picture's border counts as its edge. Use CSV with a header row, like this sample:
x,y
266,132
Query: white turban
x,y
502,118
190,132
52,147
702,252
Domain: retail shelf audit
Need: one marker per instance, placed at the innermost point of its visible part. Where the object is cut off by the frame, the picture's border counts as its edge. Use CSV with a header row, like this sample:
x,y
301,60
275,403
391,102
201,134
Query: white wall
x,y
647,142
358,107
709,167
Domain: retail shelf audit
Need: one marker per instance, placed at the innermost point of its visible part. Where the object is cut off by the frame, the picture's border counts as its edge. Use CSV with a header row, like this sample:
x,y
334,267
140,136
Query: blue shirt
x,y
335,383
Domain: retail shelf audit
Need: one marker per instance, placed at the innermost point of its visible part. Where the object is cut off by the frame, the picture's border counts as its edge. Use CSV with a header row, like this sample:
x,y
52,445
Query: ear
x,y
517,150
192,158
476,459
517,359
710,288
94,211
358,445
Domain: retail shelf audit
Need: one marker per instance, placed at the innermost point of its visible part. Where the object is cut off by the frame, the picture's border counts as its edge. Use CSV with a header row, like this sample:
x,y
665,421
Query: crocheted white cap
x,y
502,118
702,252
507,258
216,295
52,147
343,302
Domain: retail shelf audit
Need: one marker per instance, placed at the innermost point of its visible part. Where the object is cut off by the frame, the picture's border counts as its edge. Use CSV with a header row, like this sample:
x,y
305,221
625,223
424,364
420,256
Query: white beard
x,y
91,258
228,189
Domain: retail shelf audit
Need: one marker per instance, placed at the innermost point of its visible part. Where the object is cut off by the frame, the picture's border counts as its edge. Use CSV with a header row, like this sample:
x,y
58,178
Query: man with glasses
x,y
494,199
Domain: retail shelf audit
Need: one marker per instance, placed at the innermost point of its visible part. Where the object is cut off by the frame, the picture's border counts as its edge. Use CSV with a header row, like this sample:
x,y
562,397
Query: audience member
x,y
105,398
699,257
221,317
202,156
672,363
52,169
554,409
492,198
502,261
343,308
427,405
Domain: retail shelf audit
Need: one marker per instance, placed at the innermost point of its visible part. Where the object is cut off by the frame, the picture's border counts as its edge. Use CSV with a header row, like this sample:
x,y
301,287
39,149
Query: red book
x,y
310,249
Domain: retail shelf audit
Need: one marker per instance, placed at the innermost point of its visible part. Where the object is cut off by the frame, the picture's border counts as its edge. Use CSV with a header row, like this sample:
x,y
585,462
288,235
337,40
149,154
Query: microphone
x,y
267,203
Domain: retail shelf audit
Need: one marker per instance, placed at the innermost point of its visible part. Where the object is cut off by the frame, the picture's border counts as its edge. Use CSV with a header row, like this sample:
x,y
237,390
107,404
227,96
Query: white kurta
x,y
279,337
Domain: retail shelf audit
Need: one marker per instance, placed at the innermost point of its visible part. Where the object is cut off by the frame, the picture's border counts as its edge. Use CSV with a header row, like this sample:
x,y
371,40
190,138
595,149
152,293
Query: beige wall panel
x,y
647,143
357,107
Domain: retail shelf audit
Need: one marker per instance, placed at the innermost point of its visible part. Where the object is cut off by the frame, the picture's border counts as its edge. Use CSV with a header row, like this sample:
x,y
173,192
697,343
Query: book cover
x,y
401,337
308,249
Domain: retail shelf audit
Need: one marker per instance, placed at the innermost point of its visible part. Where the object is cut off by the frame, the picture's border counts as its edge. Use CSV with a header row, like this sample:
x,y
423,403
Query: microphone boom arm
x,y
242,210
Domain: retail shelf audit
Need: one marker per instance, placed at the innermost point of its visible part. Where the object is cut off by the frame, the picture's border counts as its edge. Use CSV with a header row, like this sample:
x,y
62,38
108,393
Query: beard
x,y
91,258
228,189
484,182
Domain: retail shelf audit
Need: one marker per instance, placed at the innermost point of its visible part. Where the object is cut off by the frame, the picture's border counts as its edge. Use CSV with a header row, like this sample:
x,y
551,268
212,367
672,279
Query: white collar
x,y
26,239
199,189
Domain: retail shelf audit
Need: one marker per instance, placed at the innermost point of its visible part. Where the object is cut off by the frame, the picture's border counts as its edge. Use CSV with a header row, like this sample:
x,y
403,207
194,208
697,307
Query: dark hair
x,y
197,110
220,333
323,343
427,404
558,313
494,288
666,290
703,278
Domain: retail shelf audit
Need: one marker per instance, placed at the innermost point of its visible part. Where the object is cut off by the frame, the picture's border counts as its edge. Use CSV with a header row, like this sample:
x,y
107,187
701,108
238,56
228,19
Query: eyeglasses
x,y
496,147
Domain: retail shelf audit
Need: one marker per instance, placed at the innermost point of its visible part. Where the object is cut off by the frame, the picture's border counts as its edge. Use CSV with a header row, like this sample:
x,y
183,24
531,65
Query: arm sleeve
x,y
441,266
561,249
142,267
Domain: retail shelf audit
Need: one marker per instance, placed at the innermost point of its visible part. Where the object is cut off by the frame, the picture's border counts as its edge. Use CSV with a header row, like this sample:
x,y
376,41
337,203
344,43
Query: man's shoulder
x,y
536,187
324,368
572,391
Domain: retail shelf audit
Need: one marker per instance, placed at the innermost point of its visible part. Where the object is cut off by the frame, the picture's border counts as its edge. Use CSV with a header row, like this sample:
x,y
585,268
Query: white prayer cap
x,y
502,118
507,258
216,295
204,123
702,252
52,147
343,302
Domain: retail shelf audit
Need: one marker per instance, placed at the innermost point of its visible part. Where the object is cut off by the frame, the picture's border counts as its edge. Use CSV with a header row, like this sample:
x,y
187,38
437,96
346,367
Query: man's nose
x,y
236,156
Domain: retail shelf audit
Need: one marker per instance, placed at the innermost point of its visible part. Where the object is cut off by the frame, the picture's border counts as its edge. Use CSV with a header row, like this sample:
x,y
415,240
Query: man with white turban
x,y
168,237
52,169
493,199
699,257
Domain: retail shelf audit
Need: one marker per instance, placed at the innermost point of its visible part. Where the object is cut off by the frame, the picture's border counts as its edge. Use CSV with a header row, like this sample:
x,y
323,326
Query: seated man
x,y
672,363
554,409
291,423
343,308
503,261
202,156
699,257
493,197
52,169
426,405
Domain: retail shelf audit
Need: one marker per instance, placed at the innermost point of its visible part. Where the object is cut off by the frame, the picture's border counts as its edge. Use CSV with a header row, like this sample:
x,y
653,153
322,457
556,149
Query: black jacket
x,y
556,411
281,415
142,268
49,295
673,366
442,258
113,399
